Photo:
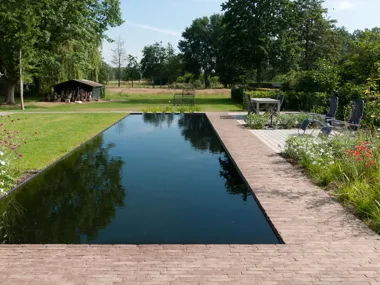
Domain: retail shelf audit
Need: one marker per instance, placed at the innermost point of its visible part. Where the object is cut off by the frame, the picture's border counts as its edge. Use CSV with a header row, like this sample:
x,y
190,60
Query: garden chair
x,y
353,123
324,120
251,108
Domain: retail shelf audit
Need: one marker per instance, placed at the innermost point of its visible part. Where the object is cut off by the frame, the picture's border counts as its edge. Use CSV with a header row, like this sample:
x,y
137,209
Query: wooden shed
x,y
77,90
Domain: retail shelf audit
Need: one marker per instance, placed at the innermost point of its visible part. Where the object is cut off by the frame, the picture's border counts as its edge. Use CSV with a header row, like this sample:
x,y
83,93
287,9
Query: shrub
x,y
171,109
255,121
304,101
289,121
180,79
237,95
102,92
269,93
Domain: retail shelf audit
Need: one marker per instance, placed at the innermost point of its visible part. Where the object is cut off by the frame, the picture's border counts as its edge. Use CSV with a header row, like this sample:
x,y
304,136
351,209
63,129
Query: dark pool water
x,y
162,179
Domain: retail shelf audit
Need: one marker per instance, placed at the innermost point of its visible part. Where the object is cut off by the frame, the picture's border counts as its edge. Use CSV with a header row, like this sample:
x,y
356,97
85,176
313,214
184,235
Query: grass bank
x,y
50,137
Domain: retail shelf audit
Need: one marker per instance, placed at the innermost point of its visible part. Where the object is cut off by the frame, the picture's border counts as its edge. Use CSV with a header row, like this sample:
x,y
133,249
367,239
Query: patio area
x,y
273,138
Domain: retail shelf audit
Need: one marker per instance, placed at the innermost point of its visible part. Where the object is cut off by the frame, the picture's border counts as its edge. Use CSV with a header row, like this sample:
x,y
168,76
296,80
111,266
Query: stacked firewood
x,y
73,96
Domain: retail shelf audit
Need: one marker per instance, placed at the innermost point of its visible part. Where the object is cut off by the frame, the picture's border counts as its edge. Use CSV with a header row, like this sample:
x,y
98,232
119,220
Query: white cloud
x,y
155,29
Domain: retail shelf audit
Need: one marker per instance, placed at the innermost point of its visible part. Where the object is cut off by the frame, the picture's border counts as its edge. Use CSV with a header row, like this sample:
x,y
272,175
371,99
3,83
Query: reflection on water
x,y
74,199
148,179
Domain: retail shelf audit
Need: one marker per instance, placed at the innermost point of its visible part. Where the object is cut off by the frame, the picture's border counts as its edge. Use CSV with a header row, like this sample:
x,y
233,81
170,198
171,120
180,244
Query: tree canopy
x,y
59,40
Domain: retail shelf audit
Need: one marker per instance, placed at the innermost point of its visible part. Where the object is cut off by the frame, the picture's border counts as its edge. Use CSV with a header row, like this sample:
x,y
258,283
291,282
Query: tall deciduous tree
x,y
119,56
200,45
251,26
153,61
314,31
132,71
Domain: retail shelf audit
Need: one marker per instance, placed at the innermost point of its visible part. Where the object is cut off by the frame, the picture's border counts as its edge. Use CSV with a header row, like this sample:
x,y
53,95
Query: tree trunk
x,y
21,84
119,75
258,75
207,82
10,93
132,82
37,86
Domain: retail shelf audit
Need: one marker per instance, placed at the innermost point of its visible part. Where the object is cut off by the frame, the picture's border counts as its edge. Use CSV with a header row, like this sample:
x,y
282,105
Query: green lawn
x,y
129,102
56,136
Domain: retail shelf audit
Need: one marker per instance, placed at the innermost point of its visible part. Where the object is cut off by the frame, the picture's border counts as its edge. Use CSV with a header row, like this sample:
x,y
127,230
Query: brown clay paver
x,y
323,243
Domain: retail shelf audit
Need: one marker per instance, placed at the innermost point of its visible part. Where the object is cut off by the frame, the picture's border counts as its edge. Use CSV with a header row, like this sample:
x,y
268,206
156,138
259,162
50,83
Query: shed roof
x,y
81,81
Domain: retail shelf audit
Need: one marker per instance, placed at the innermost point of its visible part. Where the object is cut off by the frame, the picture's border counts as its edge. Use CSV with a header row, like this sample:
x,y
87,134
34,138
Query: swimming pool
x,y
149,179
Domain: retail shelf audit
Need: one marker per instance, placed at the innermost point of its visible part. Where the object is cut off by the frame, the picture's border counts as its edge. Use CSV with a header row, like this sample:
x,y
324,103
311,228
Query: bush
x,y
102,92
260,93
255,121
171,109
289,121
303,101
180,79
323,78
253,85
237,95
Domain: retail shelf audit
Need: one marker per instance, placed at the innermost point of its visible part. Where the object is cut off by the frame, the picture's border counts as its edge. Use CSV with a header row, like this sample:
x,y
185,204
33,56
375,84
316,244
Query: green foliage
x,y
237,95
324,77
303,101
255,121
51,51
200,45
289,121
171,109
262,93
160,64
102,92
250,26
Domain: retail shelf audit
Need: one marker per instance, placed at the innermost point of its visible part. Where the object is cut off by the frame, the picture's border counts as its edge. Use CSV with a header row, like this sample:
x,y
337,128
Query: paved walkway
x,y
324,244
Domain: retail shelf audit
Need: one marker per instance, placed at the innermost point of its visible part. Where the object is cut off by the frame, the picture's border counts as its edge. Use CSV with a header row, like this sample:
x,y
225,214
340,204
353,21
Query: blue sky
x,y
147,21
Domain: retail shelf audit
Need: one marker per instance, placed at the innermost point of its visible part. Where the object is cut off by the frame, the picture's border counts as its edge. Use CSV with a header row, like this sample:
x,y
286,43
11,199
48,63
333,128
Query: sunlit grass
x,y
56,136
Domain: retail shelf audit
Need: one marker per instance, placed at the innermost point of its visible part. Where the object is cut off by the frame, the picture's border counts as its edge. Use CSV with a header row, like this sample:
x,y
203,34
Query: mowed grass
x,y
129,102
56,135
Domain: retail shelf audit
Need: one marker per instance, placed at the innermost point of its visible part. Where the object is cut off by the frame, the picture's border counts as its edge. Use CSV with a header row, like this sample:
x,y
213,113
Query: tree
x,y
361,61
200,45
119,56
250,27
132,71
153,61
314,31
106,73
55,46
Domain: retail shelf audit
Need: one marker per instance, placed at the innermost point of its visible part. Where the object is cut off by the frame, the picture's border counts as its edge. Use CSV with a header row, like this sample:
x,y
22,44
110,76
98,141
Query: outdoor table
x,y
258,101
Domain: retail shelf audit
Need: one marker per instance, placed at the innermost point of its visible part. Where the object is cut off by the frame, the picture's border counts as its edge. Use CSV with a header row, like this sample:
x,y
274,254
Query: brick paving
x,y
324,244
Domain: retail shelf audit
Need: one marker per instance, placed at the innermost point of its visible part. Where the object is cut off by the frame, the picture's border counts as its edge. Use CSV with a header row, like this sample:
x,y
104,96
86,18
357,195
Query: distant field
x,y
158,90
128,84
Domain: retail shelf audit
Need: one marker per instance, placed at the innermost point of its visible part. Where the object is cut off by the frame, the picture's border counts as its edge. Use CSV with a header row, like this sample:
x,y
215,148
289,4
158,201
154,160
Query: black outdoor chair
x,y
251,108
354,122
324,120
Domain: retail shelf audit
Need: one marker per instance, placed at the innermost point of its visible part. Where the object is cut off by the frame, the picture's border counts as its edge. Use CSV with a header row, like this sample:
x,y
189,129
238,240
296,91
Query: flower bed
x,y
349,166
